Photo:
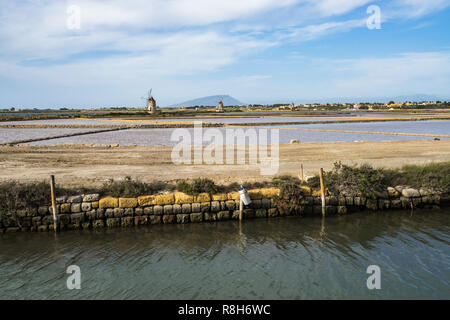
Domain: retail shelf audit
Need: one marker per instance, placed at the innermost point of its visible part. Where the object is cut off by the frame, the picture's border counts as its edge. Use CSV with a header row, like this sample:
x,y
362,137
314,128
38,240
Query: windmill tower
x,y
151,103
220,105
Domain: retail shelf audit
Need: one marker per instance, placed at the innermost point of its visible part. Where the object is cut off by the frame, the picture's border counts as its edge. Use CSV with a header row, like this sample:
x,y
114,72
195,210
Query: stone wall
x,y
91,211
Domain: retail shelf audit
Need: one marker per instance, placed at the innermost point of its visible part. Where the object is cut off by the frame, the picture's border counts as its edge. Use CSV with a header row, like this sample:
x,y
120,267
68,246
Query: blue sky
x,y
258,51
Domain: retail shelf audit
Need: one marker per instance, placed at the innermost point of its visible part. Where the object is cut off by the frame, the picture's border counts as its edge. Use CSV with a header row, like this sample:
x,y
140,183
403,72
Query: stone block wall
x,y
93,212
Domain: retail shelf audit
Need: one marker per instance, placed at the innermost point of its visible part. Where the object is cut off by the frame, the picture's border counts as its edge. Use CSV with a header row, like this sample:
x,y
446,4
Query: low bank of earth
x,y
78,165
26,207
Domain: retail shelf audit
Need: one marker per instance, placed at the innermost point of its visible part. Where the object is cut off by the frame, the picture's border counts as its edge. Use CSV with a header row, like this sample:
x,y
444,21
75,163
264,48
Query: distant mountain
x,y
230,101
209,101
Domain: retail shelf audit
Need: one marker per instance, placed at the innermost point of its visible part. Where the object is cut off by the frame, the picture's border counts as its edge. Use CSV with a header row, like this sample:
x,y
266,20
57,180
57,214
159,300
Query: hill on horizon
x,y
209,101
230,101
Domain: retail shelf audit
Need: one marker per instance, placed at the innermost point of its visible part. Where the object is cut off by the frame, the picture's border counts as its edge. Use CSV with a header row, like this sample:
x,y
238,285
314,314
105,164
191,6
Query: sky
x,y
86,53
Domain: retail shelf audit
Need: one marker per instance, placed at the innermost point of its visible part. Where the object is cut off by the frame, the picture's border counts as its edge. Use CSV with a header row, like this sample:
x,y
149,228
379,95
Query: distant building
x,y
220,106
290,107
151,106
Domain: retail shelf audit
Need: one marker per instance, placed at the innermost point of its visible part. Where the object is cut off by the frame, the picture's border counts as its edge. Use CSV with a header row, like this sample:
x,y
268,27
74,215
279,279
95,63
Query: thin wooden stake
x,y
303,176
52,189
241,208
322,191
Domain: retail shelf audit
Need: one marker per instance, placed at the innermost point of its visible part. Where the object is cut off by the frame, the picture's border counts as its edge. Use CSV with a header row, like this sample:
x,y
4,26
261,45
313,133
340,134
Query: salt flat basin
x,y
259,119
138,121
162,137
284,119
70,122
427,127
215,119
143,121
13,134
283,258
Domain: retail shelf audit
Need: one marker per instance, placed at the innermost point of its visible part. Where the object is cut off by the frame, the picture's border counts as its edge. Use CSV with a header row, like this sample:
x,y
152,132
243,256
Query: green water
x,y
283,258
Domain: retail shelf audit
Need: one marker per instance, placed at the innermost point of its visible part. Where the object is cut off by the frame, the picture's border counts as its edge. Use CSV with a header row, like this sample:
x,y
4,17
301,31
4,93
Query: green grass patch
x,y
368,181
342,179
129,188
198,186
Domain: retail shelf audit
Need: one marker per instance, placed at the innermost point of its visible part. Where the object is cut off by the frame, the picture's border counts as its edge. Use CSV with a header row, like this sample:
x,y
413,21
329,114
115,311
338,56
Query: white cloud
x,y
37,29
337,7
407,73
176,54
319,30
139,42
417,8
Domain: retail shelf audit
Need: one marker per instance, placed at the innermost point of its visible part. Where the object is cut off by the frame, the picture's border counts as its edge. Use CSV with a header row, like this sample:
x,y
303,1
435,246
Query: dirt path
x,y
86,165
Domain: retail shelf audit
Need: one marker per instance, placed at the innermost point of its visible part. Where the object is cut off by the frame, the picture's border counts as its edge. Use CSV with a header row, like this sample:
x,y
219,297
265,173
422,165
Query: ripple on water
x,y
286,258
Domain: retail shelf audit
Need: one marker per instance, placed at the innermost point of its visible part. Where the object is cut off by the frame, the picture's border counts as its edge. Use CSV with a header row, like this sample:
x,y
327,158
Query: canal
x,y
283,258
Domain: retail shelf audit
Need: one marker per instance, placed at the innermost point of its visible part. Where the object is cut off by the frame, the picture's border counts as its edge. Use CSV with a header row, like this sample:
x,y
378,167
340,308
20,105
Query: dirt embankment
x,y
92,165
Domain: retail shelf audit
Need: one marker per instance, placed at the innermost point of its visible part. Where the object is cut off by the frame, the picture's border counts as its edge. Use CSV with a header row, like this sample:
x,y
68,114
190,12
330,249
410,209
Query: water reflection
x,y
322,234
355,228
242,239
288,258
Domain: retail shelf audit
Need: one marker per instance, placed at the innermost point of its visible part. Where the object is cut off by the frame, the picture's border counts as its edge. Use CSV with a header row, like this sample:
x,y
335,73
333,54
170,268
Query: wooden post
x,y
52,189
322,191
241,208
301,172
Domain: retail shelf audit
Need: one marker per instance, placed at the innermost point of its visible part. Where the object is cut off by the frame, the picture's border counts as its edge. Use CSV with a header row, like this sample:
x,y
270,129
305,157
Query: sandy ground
x,y
86,165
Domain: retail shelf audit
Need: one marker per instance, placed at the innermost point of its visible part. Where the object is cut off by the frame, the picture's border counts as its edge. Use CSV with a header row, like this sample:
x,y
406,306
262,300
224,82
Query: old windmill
x,y
220,105
151,103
